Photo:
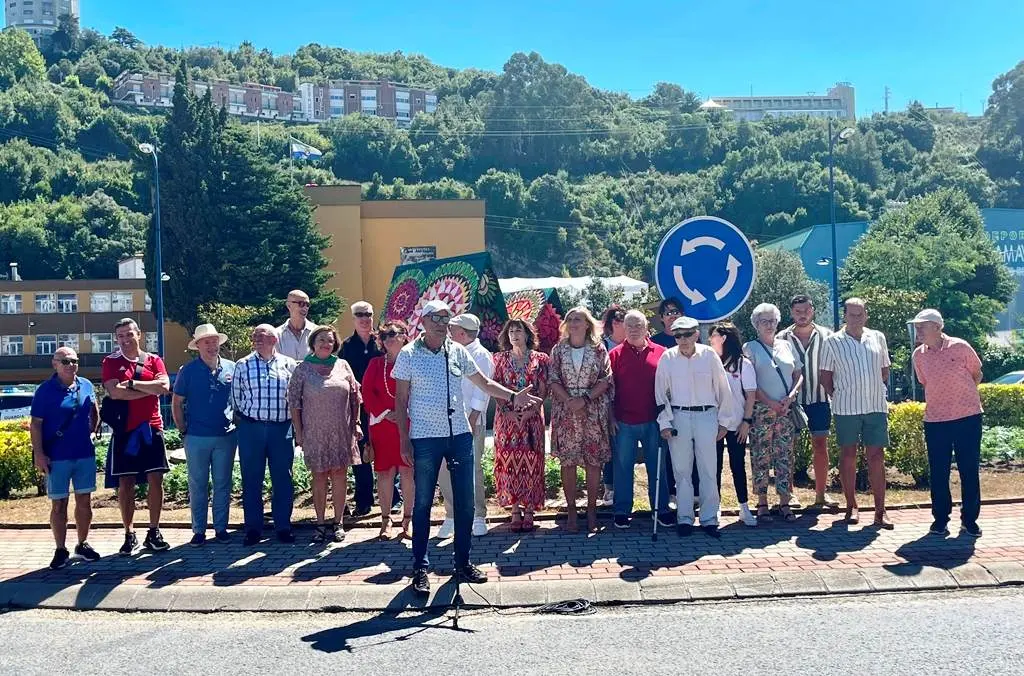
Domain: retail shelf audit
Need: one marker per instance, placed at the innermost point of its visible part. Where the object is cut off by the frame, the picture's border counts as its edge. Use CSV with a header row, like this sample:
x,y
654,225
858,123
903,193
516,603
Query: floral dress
x,y
519,446
580,438
329,399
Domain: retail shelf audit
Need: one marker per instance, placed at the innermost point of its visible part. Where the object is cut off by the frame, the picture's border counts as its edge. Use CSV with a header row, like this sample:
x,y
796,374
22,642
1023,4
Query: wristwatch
x,y
749,421
131,384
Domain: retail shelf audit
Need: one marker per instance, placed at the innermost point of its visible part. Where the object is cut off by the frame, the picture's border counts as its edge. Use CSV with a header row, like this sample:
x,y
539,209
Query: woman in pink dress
x,y
379,402
519,434
581,389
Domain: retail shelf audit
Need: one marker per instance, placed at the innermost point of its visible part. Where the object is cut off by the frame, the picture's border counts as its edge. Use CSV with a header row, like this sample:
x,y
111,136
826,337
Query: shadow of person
x,y
933,550
838,538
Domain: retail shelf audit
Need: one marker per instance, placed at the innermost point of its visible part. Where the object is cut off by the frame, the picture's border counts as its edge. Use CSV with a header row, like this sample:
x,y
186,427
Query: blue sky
x,y
945,52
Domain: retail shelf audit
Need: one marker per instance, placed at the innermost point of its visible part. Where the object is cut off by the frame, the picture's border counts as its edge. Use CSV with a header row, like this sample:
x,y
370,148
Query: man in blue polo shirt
x,y
201,407
64,415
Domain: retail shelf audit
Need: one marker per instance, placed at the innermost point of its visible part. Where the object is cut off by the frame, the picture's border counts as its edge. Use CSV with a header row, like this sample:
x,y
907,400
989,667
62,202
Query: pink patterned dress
x,y
519,446
580,438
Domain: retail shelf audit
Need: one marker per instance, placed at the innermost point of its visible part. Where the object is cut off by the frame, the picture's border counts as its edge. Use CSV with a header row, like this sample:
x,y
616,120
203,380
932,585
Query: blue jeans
x,y
626,439
259,445
206,456
428,453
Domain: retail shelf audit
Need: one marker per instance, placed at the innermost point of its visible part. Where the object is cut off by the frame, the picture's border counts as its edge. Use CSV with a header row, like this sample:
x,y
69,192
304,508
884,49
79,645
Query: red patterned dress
x,y
519,446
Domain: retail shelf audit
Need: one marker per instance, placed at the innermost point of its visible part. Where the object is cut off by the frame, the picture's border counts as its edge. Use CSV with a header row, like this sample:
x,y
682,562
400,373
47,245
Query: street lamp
x,y
150,149
832,140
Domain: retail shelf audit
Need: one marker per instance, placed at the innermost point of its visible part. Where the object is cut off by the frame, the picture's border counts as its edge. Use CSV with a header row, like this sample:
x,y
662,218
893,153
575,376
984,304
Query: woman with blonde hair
x,y
581,387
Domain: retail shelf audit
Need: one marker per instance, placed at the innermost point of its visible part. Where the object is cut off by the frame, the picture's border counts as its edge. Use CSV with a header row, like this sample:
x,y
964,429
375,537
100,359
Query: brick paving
x,y
813,543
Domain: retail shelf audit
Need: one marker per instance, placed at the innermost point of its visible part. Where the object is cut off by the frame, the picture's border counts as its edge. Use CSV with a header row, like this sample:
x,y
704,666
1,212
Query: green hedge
x,y
1003,404
17,472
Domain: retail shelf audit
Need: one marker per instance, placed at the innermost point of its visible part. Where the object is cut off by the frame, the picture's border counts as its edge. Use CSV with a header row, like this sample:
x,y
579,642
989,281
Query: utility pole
x,y
887,93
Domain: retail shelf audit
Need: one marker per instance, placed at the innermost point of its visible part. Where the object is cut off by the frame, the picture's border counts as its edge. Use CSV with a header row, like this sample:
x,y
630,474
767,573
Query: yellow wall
x,y
344,255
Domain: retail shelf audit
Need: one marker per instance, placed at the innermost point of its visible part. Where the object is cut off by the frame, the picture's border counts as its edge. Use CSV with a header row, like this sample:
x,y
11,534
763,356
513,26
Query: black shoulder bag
x,y
114,412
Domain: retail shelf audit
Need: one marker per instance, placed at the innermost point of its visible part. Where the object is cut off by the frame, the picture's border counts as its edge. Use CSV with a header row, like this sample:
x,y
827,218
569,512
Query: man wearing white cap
x,y
950,370
433,428
202,411
464,330
697,409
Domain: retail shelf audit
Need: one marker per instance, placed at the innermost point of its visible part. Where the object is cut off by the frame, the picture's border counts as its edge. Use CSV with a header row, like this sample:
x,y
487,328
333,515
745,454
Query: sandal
x,y
336,532
528,522
385,530
763,514
320,536
517,521
787,513
407,527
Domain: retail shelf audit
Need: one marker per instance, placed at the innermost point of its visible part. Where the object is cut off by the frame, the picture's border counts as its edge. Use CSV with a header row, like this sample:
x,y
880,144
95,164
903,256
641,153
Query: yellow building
x,y
369,239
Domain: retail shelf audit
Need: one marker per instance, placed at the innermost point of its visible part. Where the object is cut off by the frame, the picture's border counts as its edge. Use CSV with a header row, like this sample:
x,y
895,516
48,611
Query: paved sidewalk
x,y
818,554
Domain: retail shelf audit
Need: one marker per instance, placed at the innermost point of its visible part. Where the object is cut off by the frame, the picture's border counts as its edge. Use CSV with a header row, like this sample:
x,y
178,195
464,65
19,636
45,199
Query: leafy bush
x,y
907,452
1003,404
172,439
176,483
1002,444
16,468
302,478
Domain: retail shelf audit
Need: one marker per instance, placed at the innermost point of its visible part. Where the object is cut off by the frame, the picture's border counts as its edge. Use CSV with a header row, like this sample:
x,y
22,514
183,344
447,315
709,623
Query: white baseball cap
x,y
928,315
467,321
684,323
434,306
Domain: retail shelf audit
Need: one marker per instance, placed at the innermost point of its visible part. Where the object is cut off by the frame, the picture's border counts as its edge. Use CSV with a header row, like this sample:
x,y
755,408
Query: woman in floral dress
x,y
379,401
519,434
324,400
581,387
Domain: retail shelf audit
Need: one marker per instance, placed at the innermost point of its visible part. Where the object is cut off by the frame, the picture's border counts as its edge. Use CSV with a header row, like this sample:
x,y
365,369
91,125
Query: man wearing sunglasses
x,y
691,386
358,349
428,376
293,335
64,415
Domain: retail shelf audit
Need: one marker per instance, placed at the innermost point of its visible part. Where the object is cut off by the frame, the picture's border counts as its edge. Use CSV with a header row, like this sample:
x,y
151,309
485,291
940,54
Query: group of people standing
x,y
414,413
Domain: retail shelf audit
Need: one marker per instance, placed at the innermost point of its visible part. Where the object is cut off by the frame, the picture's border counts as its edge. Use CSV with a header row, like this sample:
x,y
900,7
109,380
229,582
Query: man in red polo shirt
x,y
635,419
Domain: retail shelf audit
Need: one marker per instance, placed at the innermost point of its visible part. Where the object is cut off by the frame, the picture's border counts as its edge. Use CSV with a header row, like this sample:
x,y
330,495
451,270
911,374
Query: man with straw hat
x,y
202,411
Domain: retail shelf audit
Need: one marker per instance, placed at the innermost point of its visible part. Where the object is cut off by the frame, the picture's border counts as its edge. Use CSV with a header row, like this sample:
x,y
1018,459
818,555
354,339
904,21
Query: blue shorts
x,y
63,473
819,418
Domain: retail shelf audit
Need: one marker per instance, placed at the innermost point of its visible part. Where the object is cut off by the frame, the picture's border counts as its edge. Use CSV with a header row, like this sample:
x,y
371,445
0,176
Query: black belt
x,y
260,422
698,409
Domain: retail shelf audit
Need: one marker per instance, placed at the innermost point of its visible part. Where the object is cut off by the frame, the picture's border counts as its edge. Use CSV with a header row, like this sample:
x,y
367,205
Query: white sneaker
x,y
746,516
479,526
447,529
672,503
609,497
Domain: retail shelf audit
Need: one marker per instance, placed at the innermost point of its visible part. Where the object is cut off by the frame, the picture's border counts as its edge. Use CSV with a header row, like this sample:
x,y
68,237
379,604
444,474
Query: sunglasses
x,y
363,315
392,334
300,303
671,312
684,334
67,361
440,319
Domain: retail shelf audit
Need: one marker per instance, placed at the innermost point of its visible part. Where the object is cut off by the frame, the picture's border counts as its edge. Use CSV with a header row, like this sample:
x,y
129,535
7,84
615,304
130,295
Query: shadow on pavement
x,y
935,551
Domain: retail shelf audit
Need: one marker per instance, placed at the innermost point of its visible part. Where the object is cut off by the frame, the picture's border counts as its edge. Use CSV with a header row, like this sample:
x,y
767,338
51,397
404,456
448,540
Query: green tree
x,y
1002,147
780,276
936,244
19,59
236,322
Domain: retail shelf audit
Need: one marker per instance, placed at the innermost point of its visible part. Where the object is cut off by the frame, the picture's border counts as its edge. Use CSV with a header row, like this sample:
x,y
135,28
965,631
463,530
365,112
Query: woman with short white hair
x,y
779,374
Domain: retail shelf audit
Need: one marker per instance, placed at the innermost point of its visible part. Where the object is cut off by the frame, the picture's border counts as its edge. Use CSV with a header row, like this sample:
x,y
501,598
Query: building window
x,y
46,343
102,343
46,302
99,301
68,340
67,302
151,341
121,301
336,111
12,346
10,304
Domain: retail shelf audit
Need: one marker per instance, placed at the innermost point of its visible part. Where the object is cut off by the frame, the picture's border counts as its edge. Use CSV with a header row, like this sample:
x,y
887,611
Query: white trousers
x,y
695,442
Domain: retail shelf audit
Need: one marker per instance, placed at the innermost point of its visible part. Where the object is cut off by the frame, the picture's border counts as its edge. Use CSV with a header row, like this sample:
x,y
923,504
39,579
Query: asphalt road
x,y
954,633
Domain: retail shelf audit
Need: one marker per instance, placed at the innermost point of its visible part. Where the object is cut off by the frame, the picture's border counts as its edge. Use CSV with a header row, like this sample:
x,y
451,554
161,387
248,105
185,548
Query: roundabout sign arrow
x,y
708,264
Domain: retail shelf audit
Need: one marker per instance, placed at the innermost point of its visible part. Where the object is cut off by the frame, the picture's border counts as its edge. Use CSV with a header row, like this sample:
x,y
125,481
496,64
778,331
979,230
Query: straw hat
x,y
205,331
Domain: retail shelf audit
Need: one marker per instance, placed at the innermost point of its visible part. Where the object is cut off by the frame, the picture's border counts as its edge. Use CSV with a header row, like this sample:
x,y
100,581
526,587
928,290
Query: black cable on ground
x,y
573,607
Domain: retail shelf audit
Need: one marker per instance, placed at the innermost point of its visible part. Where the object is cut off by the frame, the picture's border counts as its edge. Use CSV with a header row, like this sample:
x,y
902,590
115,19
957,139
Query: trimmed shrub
x,y
1003,404
16,469
907,452
172,439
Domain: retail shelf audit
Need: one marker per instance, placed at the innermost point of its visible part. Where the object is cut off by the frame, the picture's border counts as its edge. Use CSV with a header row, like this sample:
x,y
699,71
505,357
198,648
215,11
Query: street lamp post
x,y
150,149
832,140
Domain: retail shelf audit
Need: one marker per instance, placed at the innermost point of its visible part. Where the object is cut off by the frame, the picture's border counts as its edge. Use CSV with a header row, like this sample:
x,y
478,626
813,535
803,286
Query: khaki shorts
x,y
871,429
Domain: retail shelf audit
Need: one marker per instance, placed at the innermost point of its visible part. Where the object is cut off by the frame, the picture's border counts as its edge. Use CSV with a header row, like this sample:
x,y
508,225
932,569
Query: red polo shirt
x,y
633,371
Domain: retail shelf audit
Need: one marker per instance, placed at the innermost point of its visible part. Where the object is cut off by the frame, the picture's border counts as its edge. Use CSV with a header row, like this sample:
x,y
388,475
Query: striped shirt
x,y
856,367
811,392
260,388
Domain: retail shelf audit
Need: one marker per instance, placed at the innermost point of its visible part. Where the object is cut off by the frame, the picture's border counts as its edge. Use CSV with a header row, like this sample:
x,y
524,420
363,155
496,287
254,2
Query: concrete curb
x,y
508,593
603,513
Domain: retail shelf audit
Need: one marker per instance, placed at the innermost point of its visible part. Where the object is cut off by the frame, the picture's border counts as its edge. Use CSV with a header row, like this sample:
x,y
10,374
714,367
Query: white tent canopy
x,y
630,286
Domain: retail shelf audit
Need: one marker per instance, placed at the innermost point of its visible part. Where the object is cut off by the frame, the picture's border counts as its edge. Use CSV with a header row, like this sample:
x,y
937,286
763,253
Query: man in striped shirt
x,y
807,339
854,372
259,391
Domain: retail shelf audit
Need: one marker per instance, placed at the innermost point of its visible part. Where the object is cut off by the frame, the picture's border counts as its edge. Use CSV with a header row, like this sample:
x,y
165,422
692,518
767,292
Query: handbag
x,y
796,415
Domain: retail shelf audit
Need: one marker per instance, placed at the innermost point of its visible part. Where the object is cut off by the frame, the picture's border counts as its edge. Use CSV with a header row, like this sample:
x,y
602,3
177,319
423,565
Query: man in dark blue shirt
x,y
64,415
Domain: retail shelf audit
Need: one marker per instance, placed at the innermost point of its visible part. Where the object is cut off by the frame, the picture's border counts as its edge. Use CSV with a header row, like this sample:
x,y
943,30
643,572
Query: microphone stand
x,y
457,601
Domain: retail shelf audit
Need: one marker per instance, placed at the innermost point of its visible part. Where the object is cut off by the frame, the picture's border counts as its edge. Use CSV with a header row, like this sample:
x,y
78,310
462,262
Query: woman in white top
x,y
725,339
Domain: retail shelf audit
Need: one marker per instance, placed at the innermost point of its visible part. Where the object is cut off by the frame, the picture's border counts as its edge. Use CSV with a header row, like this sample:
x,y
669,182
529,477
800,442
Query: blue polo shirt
x,y
207,396
65,414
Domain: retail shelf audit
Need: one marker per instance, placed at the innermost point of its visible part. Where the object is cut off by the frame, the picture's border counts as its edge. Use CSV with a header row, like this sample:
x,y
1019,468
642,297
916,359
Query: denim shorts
x,y
64,473
819,418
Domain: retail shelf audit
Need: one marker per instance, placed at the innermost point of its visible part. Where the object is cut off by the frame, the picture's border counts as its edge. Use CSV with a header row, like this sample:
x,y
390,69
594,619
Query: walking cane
x,y
657,490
